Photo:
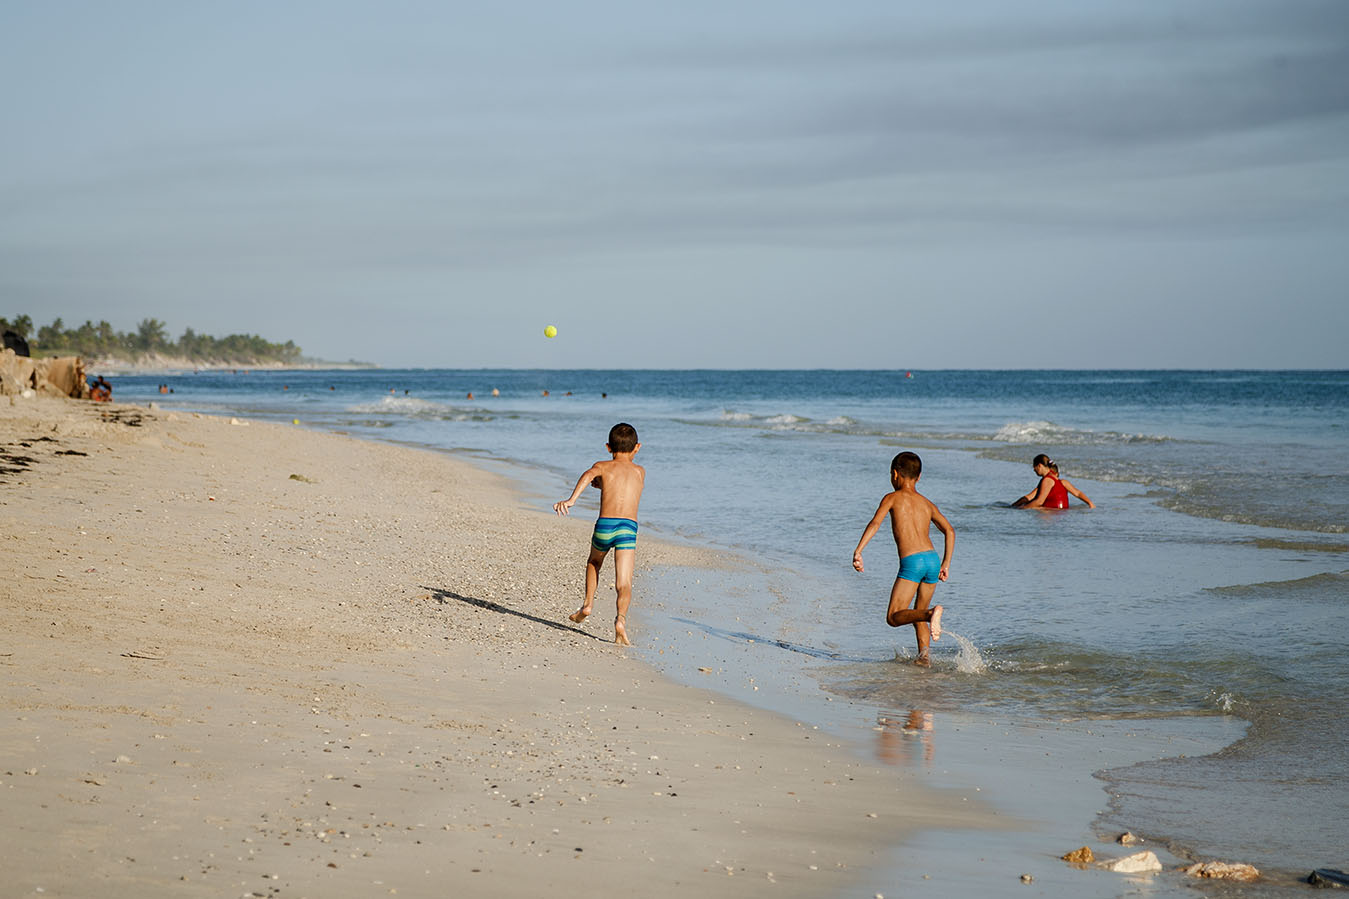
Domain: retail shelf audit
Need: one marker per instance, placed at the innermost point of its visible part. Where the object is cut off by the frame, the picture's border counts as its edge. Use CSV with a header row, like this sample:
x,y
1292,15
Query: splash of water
x,y
968,660
1224,701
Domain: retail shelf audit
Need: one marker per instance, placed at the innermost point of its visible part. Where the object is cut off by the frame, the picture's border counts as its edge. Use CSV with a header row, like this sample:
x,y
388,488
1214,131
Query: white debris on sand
x,y
1139,862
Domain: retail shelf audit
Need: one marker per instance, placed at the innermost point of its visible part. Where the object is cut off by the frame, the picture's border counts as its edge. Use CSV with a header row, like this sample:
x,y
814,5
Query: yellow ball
x,y
295,421
550,331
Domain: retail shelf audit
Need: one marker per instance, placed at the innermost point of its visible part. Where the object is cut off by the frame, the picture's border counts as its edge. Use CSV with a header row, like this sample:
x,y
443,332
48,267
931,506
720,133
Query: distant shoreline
x,y
176,365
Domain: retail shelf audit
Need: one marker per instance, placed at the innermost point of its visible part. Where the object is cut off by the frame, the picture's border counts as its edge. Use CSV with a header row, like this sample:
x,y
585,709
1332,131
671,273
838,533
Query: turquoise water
x,y
1211,581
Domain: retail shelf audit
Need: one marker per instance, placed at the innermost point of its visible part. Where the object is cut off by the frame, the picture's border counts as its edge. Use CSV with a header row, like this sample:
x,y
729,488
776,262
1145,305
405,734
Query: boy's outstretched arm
x,y
562,507
1077,493
948,534
872,526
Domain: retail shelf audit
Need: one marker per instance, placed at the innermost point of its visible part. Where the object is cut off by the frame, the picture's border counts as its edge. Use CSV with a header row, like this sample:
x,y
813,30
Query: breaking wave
x,y
413,407
789,423
1048,433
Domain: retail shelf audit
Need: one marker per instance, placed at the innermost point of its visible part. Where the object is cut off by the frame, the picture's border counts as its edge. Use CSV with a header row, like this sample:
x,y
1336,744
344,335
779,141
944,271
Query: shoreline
x,y
123,367
225,678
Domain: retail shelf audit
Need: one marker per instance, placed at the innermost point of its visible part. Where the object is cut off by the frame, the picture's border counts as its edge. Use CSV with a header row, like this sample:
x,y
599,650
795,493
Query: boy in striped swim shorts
x,y
911,517
620,482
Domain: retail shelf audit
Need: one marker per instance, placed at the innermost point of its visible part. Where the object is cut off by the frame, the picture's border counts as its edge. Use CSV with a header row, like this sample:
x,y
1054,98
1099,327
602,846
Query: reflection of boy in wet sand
x,y
911,515
890,732
620,482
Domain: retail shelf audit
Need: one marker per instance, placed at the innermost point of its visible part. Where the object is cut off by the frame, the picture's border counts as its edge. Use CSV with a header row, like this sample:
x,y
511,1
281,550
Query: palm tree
x,y
22,325
107,337
150,335
53,336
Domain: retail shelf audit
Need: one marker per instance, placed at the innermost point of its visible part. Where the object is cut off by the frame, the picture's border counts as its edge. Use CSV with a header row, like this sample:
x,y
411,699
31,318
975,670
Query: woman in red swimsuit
x,y
1052,491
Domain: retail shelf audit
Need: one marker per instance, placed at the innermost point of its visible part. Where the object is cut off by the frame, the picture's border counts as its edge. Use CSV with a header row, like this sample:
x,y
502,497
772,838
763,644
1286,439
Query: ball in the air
x,y
550,331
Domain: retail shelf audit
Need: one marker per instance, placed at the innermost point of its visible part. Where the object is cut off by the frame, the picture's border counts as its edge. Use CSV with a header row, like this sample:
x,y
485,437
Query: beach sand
x,y
244,658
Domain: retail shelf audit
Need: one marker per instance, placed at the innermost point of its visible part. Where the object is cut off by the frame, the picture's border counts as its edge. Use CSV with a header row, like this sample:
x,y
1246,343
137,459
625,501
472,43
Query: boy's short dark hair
x,y
622,438
908,465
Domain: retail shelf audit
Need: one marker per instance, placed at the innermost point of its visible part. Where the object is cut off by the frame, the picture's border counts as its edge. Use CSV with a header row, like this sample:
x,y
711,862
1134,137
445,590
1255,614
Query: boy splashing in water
x,y
620,483
911,516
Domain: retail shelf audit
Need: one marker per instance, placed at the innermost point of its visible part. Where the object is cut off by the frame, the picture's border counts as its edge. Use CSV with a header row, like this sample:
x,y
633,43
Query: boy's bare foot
x,y
620,632
935,623
922,661
580,615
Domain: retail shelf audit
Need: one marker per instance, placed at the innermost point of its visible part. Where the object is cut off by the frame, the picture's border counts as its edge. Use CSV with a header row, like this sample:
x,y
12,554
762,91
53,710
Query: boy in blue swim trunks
x,y
620,482
911,517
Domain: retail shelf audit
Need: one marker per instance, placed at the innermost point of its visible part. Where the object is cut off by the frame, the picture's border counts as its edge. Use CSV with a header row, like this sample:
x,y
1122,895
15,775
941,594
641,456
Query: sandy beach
x,y
244,658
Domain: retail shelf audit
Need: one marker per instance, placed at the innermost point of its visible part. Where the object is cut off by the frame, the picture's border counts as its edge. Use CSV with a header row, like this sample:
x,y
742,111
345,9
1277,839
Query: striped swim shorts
x,y
614,533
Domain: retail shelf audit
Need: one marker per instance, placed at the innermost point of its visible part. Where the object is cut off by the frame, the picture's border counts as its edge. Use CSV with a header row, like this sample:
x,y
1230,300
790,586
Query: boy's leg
x,y
624,561
593,565
901,595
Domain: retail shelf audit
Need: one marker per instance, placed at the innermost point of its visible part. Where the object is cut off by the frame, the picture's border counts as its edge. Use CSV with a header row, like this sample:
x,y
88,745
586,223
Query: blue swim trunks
x,y
921,568
614,533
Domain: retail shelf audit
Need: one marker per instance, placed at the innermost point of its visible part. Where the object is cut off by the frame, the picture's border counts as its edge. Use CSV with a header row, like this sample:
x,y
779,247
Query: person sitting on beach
x,y
100,391
911,516
1052,491
620,482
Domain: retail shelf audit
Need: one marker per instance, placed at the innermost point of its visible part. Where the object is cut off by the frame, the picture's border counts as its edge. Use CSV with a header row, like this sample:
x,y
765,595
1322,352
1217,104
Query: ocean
x,y
1208,592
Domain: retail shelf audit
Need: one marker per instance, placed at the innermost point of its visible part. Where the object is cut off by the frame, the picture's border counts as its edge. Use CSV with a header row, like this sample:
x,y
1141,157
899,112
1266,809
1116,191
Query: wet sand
x,y
246,658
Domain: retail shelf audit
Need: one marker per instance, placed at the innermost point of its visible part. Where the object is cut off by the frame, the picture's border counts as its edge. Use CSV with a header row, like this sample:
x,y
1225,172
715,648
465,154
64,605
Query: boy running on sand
x,y
620,482
911,515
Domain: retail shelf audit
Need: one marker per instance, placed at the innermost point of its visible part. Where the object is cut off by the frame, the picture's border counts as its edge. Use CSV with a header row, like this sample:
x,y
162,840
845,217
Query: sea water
x,y
1209,585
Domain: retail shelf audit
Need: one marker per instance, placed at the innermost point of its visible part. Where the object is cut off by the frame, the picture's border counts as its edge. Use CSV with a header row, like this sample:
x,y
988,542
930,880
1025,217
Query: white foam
x,y
1023,431
968,660
1225,701
1046,432
399,405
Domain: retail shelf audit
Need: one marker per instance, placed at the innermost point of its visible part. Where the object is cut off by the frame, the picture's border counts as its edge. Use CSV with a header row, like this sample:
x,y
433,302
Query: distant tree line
x,y
150,336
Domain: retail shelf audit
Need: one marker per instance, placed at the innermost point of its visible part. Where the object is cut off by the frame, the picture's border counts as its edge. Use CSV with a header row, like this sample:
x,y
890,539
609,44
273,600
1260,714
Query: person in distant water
x,y
1052,491
100,390
620,482
470,394
911,517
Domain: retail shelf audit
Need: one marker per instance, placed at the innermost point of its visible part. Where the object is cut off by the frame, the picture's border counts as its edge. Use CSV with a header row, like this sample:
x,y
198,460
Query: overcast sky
x,y
697,184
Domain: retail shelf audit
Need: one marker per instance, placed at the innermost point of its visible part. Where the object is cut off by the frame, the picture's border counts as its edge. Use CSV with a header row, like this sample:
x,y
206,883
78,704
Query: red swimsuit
x,y
1058,495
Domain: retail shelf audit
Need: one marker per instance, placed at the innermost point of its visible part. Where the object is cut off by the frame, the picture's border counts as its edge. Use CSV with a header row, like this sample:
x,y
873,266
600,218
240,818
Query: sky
x,y
983,184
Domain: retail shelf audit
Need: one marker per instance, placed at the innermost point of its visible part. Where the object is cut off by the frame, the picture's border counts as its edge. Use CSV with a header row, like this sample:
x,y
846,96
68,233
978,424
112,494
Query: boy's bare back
x,y
620,482
911,517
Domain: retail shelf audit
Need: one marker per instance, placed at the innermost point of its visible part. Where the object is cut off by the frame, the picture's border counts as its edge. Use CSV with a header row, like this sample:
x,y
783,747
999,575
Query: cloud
x,y
1212,86
397,155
